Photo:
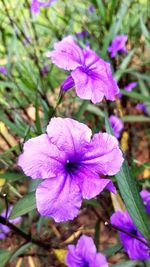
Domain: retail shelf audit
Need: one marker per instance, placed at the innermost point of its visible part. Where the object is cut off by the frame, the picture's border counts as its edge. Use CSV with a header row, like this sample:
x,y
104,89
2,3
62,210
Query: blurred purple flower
x,y
82,34
36,5
4,230
116,124
84,254
142,107
91,9
3,70
44,71
70,162
145,195
92,76
118,45
134,248
130,86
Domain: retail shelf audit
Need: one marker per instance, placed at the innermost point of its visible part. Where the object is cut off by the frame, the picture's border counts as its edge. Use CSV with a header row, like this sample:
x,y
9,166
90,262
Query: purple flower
x,y
118,45
3,70
82,34
142,107
44,71
36,5
134,248
91,8
145,195
4,230
84,254
130,86
70,162
91,75
116,124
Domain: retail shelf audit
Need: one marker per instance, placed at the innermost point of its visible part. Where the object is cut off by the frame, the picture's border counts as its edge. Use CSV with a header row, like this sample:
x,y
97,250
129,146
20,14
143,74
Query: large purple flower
x,y
116,124
84,254
70,162
36,5
118,45
145,195
91,75
4,230
135,249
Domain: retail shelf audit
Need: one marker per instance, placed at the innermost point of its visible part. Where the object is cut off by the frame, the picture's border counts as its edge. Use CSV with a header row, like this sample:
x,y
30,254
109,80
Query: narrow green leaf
x,y
95,110
4,257
118,74
145,32
127,264
101,8
135,95
130,194
12,176
20,250
134,118
24,205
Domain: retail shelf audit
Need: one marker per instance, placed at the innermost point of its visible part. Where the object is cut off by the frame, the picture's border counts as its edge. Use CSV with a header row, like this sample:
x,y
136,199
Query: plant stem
x,y
27,237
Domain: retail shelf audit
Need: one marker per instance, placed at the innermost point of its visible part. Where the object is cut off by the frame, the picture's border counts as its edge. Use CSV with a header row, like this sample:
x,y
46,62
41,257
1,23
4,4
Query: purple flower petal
x,y
67,54
116,124
59,198
92,75
70,136
141,106
67,84
91,184
84,254
118,45
41,159
36,4
145,195
130,86
3,70
103,149
135,249
73,162
4,230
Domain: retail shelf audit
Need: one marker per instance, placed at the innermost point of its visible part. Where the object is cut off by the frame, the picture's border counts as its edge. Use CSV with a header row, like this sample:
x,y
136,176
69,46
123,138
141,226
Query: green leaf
x,y
130,194
20,250
12,176
127,264
135,95
101,8
4,257
134,118
24,205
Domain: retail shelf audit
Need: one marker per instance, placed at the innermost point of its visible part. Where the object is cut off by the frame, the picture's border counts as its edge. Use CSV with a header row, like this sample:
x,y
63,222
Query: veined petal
x,y
94,80
59,198
71,136
86,86
91,184
103,154
67,54
41,159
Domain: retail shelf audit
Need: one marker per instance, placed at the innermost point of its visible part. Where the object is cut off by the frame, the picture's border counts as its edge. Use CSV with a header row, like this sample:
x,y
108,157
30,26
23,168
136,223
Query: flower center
x,y
134,232
71,166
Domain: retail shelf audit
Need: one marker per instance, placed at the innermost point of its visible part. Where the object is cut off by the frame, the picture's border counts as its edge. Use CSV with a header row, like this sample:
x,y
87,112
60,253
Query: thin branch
x,y
127,233
27,237
107,223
